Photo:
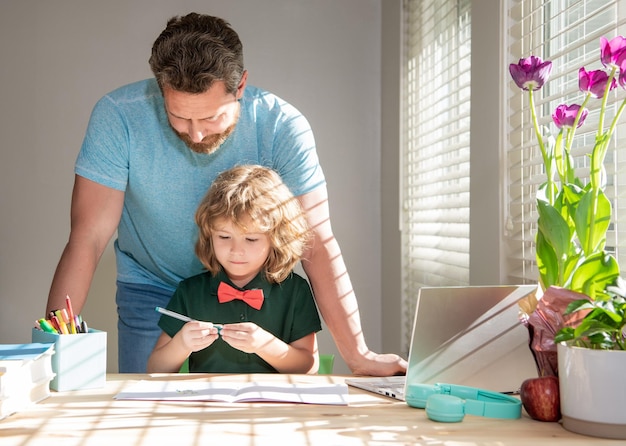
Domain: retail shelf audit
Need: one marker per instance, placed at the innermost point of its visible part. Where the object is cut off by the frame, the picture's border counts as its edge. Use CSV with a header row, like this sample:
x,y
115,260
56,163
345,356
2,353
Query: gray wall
x,y
58,57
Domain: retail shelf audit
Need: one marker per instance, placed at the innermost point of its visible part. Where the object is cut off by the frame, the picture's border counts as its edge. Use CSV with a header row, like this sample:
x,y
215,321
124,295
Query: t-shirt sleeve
x,y
295,154
103,157
171,325
306,319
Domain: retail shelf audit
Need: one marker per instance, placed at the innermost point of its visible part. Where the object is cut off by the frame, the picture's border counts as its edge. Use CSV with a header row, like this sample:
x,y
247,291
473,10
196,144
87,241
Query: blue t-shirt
x,y
130,146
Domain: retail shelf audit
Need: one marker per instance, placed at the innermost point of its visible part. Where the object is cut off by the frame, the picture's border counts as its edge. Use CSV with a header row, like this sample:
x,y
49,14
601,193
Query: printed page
x,y
326,393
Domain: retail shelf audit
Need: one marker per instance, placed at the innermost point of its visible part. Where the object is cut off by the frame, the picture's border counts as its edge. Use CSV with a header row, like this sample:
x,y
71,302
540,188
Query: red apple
x,y
540,397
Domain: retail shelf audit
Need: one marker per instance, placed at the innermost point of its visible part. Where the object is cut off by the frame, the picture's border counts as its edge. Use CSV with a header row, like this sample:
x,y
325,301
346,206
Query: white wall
x,y
58,57
391,129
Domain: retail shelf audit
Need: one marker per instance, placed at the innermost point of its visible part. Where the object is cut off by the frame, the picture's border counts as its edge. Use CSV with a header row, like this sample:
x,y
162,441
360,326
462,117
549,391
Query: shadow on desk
x,y
94,417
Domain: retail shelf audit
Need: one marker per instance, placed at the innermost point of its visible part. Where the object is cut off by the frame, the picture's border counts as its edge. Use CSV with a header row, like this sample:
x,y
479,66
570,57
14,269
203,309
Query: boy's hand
x,y
246,336
197,335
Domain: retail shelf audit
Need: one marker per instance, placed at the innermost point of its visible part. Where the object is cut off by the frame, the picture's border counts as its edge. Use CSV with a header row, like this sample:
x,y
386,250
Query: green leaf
x,y
571,195
560,157
570,264
592,223
607,315
597,170
592,327
577,305
594,274
546,262
555,229
600,335
564,334
543,192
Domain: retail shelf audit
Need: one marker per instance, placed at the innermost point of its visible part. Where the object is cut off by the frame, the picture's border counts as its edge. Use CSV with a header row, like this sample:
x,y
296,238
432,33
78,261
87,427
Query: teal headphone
x,y
449,403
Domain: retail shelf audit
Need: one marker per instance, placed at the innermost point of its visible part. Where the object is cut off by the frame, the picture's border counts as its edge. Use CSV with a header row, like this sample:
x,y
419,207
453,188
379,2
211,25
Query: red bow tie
x,y
226,293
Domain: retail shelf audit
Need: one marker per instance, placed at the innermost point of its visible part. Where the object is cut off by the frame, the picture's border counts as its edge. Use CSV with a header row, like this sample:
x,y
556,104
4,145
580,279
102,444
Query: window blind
x,y
567,32
435,157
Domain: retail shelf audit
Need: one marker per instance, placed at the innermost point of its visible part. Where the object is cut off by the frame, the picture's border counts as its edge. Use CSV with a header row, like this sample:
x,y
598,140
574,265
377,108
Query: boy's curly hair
x,y
256,194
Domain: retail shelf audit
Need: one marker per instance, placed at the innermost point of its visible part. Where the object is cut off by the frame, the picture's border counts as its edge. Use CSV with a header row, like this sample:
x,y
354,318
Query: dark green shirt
x,y
288,312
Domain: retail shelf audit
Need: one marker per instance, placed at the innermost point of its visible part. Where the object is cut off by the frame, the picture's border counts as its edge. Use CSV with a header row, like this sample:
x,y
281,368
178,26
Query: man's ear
x,y
242,84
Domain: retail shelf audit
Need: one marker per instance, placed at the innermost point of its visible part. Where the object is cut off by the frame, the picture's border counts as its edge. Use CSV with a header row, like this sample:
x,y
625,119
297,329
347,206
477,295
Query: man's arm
x,y
95,214
335,296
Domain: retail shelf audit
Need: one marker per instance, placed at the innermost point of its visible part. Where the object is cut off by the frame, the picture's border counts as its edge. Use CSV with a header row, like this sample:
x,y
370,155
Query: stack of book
x,y
25,375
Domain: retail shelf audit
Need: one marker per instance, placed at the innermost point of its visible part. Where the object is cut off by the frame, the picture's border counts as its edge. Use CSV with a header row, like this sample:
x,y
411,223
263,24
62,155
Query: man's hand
x,y
375,364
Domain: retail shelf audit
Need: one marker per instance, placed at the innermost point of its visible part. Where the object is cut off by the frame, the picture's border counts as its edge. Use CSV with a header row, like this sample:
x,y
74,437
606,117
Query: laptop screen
x,y
471,336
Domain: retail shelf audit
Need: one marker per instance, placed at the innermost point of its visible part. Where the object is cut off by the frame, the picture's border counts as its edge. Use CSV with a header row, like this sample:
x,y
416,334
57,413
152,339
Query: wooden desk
x,y
93,417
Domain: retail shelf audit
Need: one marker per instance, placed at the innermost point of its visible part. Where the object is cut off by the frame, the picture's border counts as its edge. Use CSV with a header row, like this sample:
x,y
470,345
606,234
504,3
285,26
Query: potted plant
x,y
592,363
577,274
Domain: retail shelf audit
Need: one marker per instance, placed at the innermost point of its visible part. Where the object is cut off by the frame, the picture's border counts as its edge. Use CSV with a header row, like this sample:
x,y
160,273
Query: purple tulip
x,y
622,77
621,64
594,82
611,51
565,115
530,73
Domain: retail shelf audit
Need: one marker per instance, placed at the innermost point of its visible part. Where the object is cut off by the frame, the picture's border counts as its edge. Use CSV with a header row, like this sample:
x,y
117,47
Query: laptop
x,y
468,336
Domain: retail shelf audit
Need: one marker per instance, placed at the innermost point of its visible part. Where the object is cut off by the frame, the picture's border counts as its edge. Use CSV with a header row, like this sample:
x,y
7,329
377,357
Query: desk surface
x,y
93,417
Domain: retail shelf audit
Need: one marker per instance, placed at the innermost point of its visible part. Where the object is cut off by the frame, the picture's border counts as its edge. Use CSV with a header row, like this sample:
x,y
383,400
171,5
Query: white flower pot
x,y
593,393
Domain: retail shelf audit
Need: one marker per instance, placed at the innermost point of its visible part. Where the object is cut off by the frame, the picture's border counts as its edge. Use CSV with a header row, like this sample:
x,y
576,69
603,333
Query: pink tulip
x,y
531,72
565,115
611,51
621,63
594,82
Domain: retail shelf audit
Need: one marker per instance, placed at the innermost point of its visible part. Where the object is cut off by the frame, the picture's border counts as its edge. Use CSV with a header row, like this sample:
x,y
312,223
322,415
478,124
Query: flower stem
x,y
615,119
547,159
605,97
599,153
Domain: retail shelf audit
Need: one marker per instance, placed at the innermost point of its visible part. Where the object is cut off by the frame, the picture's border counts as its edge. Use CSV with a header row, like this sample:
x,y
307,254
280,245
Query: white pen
x,y
173,314
182,317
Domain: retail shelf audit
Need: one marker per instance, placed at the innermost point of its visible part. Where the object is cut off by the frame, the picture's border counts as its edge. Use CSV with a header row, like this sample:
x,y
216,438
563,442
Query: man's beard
x,y
211,142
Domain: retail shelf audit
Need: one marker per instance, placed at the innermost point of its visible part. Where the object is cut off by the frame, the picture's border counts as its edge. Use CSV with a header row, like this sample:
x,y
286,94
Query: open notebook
x,y
467,336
